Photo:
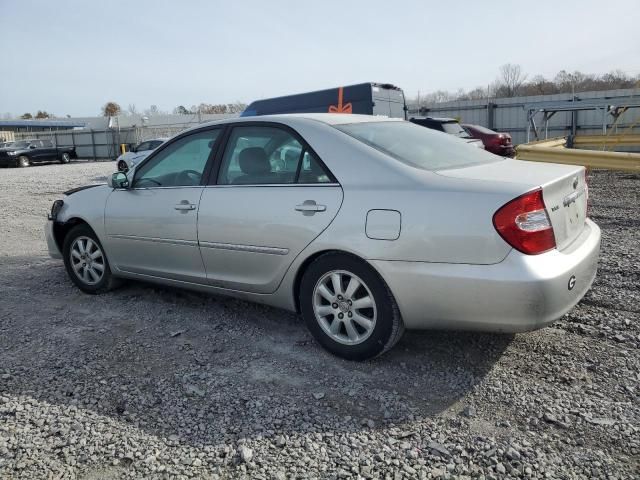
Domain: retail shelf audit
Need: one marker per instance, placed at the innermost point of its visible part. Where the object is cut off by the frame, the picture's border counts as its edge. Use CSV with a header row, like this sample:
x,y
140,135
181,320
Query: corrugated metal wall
x,y
90,144
103,143
510,114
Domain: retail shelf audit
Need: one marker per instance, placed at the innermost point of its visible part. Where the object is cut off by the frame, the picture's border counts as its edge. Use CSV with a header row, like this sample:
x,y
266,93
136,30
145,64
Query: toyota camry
x,y
363,225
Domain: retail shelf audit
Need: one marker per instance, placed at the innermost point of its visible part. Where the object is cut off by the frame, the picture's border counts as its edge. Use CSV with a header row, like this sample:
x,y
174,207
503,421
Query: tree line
x,y
111,109
512,81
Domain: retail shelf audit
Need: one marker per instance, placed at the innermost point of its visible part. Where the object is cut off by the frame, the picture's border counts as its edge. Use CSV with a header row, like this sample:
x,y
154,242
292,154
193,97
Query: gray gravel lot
x,y
157,383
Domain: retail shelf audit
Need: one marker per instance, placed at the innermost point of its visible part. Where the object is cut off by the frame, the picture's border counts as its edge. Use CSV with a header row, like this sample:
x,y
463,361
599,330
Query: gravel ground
x,y
157,383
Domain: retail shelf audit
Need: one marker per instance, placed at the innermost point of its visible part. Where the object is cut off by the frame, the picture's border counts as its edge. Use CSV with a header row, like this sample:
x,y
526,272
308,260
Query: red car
x,y
494,142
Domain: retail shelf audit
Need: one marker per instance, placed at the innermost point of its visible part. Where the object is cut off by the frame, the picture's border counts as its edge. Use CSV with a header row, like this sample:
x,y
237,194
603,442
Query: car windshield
x,y
19,144
454,128
417,146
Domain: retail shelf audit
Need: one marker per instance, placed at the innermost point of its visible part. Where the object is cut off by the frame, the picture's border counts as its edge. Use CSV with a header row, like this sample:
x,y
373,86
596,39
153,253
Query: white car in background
x,y
138,153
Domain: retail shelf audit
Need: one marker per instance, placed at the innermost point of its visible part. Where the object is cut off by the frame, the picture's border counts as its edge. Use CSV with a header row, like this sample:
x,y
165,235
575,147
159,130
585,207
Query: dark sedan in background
x,y
494,142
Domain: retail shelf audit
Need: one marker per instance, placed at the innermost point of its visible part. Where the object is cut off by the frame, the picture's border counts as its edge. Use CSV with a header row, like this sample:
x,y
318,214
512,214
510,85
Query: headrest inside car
x,y
253,161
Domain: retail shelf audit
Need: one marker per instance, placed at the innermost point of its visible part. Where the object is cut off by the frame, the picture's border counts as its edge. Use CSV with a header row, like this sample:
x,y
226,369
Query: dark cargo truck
x,y
365,98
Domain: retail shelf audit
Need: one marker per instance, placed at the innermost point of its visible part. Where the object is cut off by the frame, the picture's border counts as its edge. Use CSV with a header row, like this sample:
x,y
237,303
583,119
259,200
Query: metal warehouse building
x,y
8,128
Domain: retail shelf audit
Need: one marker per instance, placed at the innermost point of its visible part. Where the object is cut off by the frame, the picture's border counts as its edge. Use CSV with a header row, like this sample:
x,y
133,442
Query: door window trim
x,y
222,148
207,168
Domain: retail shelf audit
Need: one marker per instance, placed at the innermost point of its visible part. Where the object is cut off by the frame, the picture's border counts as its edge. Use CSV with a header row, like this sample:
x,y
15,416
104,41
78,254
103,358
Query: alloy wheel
x,y
87,260
344,307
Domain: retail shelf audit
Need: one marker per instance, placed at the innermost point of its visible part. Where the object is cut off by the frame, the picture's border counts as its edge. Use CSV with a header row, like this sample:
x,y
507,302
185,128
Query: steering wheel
x,y
190,177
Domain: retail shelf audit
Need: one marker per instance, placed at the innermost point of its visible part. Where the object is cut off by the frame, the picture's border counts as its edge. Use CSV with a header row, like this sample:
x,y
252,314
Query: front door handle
x,y
310,207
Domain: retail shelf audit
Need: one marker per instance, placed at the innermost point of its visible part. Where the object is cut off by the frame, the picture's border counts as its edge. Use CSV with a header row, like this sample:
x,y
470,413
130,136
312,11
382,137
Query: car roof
x,y
328,118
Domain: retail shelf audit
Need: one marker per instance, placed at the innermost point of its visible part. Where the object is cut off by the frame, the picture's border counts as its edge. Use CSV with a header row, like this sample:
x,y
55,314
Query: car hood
x,y
133,155
79,189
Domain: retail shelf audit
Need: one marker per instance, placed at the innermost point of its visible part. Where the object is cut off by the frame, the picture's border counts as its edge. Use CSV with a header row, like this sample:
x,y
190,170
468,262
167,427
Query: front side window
x,y
257,155
47,143
181,163
418,146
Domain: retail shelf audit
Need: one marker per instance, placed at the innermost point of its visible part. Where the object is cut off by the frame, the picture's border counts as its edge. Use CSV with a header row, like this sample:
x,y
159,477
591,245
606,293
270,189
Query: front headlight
x,y
12,153
55,209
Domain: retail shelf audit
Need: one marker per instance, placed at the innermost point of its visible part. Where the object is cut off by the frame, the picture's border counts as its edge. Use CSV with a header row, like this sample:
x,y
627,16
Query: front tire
x,y
23,161
86,262
65,158
348,307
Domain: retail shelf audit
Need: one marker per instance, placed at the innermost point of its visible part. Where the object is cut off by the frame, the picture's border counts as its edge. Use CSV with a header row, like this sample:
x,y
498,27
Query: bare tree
x,y
153,110
111,109
132,109
511,79
42,114
26,116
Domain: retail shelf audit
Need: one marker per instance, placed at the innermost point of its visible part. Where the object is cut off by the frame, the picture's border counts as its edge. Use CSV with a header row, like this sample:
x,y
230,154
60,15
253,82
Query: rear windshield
x,y
454,128
482,129
418,146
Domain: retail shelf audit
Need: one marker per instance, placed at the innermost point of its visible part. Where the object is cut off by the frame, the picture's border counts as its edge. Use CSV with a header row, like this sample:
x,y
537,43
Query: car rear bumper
x,y
52,246
521,293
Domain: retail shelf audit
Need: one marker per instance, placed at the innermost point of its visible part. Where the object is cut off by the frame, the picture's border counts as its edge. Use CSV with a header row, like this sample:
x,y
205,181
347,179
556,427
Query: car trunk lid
x,y
564,190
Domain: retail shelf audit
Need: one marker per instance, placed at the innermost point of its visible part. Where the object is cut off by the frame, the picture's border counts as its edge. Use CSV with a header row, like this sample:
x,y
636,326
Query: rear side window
x,y
418,146
257,155
47,143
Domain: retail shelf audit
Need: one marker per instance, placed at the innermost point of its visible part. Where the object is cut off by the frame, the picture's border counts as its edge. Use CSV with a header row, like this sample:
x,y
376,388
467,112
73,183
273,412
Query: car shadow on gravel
x,y
207,370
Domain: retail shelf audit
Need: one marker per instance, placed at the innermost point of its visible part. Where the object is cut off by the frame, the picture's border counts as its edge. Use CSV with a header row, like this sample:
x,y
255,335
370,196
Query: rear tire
x,y
65,158
348,307
23,161
86,261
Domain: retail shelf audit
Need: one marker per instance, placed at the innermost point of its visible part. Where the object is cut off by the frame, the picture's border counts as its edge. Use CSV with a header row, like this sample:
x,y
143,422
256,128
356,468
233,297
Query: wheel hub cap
x,y
344,307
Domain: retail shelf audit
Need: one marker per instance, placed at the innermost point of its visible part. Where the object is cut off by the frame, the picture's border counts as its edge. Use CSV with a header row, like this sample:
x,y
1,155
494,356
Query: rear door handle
x,y
309,207
185,206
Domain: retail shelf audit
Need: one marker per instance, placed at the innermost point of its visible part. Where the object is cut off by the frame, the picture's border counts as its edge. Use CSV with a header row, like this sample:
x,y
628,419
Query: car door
x,y
35,151
152,227
271,197
47,151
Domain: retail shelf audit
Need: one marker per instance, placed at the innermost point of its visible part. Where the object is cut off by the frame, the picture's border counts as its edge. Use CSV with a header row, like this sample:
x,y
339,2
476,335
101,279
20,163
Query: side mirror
x,y
32,146
118,180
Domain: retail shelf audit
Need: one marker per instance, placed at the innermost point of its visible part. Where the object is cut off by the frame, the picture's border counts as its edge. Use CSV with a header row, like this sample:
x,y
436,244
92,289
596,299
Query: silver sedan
x,y
364,225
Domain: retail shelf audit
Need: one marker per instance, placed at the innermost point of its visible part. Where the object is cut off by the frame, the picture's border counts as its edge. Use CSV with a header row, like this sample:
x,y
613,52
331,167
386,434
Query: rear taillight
x,y
505,139
524,224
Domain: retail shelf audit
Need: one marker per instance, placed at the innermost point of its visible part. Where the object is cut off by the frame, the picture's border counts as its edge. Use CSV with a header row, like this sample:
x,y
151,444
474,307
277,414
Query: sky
x,y
70,57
